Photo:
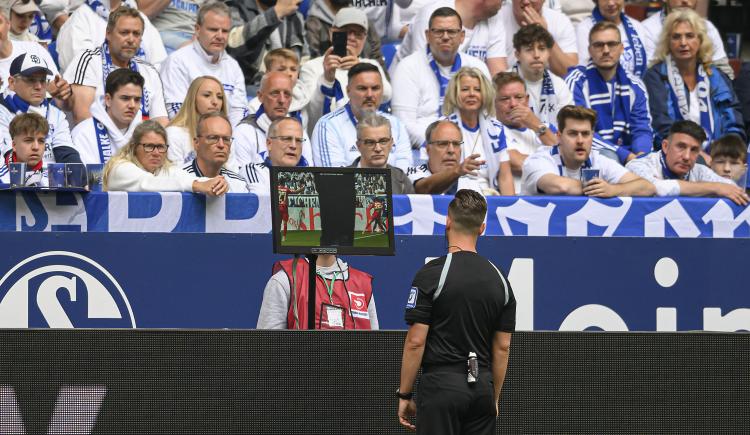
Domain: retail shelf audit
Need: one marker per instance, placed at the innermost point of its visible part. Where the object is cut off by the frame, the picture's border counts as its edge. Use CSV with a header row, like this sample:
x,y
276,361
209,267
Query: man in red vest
x,y
343,296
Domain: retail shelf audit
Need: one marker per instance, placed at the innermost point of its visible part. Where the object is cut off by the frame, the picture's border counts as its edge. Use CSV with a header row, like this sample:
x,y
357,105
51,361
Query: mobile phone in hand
x,y
339,43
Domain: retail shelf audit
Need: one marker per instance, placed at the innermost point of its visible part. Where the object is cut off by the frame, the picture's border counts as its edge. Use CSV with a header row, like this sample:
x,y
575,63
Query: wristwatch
x,y
405,396
541,130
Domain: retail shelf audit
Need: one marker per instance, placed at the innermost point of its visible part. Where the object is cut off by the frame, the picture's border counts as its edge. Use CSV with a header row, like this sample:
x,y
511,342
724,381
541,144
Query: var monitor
x,y
332,211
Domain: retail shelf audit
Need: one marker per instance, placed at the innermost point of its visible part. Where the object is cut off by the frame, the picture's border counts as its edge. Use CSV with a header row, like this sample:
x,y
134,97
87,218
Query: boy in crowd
x,y
729,158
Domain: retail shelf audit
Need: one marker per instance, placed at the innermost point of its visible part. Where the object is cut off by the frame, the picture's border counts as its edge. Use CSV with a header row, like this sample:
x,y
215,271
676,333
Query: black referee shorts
x,y
448,405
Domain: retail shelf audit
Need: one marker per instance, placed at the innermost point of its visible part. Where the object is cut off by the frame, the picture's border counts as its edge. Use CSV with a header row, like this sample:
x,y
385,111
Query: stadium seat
x,y
389,51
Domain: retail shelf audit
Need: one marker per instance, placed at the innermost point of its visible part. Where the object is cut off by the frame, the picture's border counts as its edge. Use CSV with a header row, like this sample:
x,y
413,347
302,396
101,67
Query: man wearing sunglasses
x,y
213,144
375,141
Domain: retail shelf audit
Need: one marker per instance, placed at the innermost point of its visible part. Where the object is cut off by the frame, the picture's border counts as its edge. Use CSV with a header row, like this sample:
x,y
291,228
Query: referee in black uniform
x,y
459,305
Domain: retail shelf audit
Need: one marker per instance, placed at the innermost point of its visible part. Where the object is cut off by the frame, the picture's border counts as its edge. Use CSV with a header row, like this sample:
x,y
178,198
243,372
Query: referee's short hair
x,y
467,211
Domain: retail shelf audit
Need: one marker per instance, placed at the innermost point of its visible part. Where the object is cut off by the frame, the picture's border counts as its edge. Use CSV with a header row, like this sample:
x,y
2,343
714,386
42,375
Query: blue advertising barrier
x,y
67,271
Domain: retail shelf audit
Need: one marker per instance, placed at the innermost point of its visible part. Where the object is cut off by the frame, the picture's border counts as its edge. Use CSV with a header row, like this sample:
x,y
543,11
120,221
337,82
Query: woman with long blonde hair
x,y
142,166
205,95
470,103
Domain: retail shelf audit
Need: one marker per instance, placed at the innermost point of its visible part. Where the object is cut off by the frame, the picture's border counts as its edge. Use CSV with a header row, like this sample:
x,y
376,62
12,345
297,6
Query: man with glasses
x,y
213,143
275,96
324,80
375,141
26,92
421,79
623,128
113,119
284,144
443,174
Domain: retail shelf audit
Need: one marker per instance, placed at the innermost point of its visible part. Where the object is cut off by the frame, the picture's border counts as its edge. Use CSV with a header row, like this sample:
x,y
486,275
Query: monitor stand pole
x,y
311,290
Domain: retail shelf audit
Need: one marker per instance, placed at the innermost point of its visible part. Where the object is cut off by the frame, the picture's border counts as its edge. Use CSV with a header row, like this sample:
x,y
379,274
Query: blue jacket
x,y
726,106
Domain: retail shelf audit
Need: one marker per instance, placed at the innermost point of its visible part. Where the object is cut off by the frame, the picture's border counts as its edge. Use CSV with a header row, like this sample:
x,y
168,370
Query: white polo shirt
x,y
190,62
653,168
548,161
558,25
416,91
627,59
87,70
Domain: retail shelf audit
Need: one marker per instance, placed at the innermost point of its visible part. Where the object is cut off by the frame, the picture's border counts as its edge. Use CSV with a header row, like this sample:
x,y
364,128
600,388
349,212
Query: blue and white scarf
x,y
331,96
636,45
108,67
442,80
546,107
612,107
40,27
680,98
493,143
103,141
11,101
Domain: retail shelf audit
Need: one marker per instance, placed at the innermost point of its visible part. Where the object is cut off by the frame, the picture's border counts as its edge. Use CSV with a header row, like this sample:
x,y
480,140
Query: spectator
x,y
205,95
469,102
284,143
684,84
445,172
28,133
318,25
213,143
623,128
89,70
10,50
655,23
175,20
480,20
259,26
547,92
375,141
524,131
563,54
634,57
275,95
559,171
26,92
729,159
113,118
335,136
86,30
55,14
674,172
142,166
324,80
206,56
22,15
417,98
284,60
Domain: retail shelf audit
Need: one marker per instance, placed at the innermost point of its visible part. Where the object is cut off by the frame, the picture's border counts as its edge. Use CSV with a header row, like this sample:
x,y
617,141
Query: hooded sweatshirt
x,y
98,138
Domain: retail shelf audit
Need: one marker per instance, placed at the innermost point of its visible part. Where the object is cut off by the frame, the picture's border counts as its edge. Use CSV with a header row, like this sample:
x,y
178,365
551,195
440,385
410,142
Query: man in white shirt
x,y
25,93
213,143
113,118
284,143
206,56
547,92
564,52
334,140
420,81
86,28
88,72
674,172
525,132
275,95
324,80
632,34
174,20
654,24
564,169
444,173
482,26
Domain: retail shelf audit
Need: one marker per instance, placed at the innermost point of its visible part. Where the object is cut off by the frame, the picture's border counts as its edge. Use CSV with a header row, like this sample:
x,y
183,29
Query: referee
x,y
459,305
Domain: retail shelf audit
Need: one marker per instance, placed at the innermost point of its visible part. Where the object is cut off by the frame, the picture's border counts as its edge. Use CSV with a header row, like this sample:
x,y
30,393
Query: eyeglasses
x,y
599,45
445,143
150,147
288,140
370,143
214,138
438,33
33,80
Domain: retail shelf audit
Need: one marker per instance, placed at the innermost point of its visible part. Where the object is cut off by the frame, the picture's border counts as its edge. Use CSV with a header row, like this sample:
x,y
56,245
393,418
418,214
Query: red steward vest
x,y
359,286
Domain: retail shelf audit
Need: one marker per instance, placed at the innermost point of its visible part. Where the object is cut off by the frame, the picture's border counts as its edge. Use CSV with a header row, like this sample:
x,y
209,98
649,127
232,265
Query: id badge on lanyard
x,y
331,315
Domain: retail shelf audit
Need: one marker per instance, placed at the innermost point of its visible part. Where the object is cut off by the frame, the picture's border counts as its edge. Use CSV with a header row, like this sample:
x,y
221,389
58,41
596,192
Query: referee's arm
x,y
412,359
500,354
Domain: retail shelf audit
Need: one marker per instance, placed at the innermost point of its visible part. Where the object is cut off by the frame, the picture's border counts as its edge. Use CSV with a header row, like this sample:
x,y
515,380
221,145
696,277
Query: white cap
x,y
347,16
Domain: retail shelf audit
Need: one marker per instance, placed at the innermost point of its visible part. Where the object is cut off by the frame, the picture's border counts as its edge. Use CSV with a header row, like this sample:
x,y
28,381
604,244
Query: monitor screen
x,y
332,211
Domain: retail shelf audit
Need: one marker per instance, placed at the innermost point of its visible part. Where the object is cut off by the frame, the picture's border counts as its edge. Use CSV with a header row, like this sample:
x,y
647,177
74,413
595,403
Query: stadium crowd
x,y
513,97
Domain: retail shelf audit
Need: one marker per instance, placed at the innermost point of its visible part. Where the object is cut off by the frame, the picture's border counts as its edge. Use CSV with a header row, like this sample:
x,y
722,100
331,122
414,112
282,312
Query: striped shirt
x,y
236,183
